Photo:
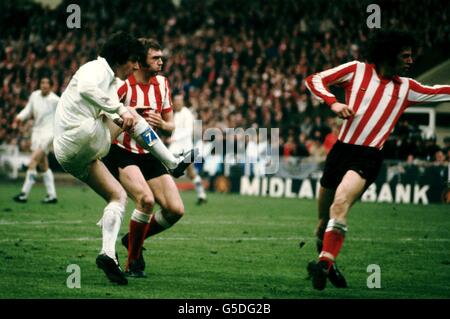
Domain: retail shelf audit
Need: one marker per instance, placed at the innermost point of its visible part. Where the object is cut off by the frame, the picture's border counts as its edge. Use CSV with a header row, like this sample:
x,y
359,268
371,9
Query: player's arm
x,y
419,93
26,112
89,79
163,121
318,84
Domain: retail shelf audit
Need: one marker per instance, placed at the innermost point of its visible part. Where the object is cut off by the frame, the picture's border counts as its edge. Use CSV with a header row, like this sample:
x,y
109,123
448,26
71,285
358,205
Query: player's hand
x,y
15,123
128,121
155,120
342,110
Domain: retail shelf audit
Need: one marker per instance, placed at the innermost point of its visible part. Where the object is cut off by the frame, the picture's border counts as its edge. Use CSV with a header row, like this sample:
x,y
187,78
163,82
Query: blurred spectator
x,y
446,148
234,70
290,147
331,138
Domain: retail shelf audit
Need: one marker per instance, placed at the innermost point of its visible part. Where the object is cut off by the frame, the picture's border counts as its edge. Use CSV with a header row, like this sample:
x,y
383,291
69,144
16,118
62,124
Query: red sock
x,y
332,243
136,239
154,228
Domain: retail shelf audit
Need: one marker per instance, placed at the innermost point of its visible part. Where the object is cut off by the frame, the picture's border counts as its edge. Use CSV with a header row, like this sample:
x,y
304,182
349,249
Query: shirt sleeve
x,y
167,104
185,132
26,112
419,93
56,99
318,83
89,79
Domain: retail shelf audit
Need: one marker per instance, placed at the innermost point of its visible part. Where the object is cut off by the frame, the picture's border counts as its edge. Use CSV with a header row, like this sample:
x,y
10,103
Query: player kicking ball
x,y
84,130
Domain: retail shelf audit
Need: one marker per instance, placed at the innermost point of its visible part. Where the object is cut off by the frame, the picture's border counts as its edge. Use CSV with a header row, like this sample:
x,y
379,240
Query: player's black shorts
x,y
364,160
120,157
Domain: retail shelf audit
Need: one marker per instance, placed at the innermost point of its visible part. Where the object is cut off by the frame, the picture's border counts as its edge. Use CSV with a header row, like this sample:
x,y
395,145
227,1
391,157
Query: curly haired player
x,y
375,96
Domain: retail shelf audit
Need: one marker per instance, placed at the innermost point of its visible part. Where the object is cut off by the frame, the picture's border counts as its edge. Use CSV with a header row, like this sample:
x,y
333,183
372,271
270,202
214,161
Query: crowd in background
x,y
238,63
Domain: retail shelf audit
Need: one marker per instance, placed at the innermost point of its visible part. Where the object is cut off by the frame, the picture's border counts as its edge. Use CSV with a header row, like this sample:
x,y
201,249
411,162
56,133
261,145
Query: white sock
x,y
30,179
146,137
49,182
111,221
199,187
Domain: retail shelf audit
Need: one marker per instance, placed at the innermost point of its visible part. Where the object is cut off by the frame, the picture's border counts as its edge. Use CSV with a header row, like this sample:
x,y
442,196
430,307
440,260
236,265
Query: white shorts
x,y
42,141
77,148
178,148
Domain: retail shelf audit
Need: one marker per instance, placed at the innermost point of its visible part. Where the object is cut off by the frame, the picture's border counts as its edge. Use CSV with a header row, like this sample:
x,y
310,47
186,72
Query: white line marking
x,y
232,239
41,222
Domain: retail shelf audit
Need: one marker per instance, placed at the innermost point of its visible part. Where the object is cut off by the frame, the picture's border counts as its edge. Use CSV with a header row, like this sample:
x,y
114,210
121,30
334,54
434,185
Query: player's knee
x,y
175,209
340,205
120,196
147,202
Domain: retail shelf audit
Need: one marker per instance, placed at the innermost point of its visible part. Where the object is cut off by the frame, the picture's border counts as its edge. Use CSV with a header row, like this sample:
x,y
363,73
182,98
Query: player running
x,y
376,96
41,107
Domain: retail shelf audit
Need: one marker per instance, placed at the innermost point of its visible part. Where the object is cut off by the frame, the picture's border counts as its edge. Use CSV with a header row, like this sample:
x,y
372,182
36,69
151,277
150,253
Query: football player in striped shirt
x,y
144,177
376,94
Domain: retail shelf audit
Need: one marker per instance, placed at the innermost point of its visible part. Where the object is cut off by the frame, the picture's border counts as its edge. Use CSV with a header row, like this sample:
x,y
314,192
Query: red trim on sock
x,y
332,244
136,239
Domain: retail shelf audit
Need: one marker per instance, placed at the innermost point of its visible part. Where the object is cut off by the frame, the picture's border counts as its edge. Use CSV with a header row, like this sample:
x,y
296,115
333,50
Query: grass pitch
x,y
232,247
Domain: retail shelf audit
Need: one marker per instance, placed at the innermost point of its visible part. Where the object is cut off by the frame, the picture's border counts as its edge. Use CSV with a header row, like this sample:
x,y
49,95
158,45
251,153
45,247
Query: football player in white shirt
x,y
41,107
182,140
84,130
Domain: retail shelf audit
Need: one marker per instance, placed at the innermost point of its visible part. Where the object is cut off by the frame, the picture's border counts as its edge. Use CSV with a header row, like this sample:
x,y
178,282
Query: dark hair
x,y
45,74
149,43
384,45
50,81
122,47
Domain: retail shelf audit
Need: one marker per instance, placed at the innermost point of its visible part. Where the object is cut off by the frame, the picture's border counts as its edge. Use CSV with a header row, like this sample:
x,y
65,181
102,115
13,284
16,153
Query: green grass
x,y
233,247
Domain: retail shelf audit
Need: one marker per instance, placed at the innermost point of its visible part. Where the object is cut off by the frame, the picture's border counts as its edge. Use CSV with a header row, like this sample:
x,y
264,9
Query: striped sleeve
x,y
167,104
122,91
419,93
318,83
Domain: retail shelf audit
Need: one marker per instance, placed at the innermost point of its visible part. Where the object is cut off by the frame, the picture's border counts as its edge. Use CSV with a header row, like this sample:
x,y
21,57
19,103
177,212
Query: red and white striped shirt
x,y
146,98
377,102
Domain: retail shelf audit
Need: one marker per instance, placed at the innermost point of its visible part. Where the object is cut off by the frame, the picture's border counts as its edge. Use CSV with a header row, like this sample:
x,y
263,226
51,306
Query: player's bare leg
x,y
137,188
197,180
166,195
348,191
326,197
31,176
104,184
